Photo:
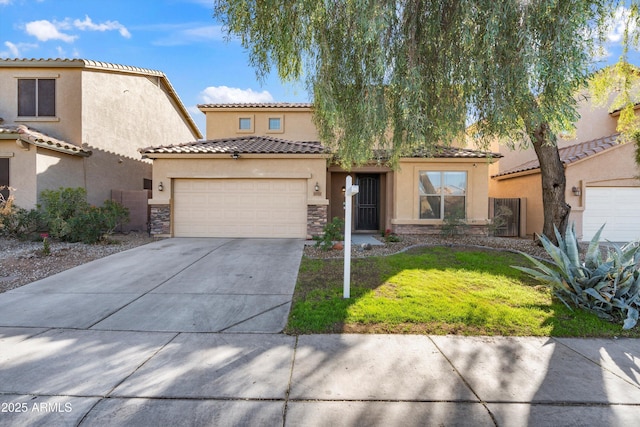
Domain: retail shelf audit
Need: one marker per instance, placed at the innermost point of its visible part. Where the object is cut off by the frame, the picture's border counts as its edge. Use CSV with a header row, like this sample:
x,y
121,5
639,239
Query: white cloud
x,y
16,50
13,49
89,25
45,30
3,2
188,35
617,25
224,94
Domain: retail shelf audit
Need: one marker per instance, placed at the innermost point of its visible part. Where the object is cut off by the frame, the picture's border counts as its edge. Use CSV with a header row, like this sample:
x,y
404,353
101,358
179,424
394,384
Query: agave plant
x,y
608,287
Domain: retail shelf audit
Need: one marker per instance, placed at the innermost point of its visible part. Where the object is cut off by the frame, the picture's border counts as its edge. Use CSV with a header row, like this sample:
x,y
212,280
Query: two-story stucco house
x,y
261,172
80,123
601,173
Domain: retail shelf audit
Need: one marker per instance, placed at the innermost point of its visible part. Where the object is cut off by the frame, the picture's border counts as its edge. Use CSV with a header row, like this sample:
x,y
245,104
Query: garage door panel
x,y
618,208
240,208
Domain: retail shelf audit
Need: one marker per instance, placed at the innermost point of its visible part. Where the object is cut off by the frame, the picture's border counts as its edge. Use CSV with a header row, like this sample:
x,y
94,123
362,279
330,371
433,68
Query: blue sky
x,y
177,37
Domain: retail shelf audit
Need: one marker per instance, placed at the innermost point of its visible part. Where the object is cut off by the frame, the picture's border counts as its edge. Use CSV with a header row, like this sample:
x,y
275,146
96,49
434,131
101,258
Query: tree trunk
x,y
556,209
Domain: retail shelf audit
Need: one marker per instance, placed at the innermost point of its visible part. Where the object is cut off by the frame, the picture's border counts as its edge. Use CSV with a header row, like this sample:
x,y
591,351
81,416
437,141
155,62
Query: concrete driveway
x,y
174,285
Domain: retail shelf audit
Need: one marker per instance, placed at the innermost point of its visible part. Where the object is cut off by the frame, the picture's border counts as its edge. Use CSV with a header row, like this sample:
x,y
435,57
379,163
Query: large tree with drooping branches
x,y
411,74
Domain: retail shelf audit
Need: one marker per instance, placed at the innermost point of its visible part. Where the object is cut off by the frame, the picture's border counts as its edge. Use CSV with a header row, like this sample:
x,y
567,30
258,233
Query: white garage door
x,y
240,208
618,207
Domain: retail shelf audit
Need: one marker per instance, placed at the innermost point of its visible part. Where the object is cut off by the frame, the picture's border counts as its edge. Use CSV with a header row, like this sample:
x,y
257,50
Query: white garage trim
x,y
618,207
256,207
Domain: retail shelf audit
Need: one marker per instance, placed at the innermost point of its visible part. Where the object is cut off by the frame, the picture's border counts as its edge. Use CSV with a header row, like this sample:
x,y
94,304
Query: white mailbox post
x,y
350,191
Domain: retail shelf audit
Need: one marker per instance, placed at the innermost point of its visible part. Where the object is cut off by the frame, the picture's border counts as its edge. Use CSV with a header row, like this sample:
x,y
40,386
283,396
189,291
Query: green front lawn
x,y
436,290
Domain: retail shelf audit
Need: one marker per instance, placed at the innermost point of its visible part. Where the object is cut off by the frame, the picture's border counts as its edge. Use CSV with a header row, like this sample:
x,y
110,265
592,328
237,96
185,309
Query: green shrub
x,y
333,231
59,206
71,218
610,287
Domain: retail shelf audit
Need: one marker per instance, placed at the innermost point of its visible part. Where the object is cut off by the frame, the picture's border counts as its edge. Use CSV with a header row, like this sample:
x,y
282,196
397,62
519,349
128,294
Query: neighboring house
x,y
602,179
262,173
80,123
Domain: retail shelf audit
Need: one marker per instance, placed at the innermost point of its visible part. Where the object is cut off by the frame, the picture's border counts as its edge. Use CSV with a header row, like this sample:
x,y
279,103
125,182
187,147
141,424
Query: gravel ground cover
x,y
23,262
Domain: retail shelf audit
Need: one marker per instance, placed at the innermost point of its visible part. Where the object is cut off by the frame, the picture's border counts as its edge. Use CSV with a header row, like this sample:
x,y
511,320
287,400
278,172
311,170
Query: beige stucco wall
x,y
406,189
297,123
22,172
311,168
55,170
123,112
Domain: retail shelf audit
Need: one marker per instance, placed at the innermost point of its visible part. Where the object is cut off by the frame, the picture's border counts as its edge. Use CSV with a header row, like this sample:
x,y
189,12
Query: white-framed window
x,y
36,97
245,124
442,194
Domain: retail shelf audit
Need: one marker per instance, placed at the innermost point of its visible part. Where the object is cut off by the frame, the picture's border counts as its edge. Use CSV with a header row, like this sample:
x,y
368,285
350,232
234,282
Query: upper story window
x,y
36,97
442,194
275,123
245,123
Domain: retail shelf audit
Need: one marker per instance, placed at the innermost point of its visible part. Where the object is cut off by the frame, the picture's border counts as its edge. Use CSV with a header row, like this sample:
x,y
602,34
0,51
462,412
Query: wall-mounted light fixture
x,y
235,155
344,190
576,191
160,186
317,187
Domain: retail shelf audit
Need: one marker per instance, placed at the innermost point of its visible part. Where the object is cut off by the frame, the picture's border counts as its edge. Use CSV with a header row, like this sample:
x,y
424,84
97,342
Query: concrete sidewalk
x,y
71,377
185,332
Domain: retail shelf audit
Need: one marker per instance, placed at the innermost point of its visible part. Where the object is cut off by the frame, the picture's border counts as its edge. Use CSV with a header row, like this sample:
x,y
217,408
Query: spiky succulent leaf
x,y
593,257
632,318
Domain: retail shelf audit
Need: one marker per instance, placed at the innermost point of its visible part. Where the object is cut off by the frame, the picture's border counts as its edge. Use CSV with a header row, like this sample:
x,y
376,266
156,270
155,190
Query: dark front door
x,y
367,201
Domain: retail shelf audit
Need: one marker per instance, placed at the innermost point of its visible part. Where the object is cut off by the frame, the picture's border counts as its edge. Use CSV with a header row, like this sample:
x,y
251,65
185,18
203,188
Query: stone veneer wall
x,y
316,219
160,219
474,230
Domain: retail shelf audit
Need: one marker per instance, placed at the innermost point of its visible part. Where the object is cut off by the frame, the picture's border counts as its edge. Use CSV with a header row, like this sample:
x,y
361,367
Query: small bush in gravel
x,y
69,217
333,231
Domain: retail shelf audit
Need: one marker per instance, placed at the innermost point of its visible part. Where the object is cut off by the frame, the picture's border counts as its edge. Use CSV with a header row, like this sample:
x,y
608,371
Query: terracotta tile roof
x,y
76,62
241,145
39,139
259,105
570,154
440,152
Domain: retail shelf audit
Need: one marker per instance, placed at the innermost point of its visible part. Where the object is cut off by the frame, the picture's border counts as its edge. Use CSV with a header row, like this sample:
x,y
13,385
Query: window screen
x,y
36,97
